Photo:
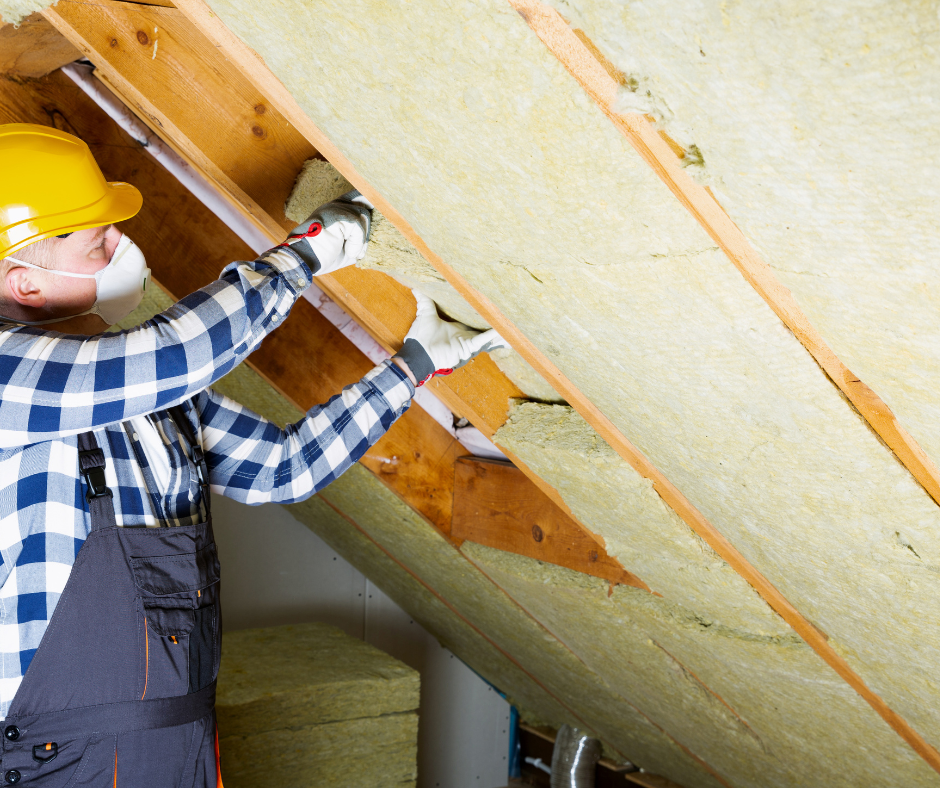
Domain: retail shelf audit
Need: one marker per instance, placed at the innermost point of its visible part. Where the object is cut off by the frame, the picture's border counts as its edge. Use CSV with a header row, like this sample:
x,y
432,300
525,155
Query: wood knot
x,y
143,38
260,109
259,132
114,43
537,533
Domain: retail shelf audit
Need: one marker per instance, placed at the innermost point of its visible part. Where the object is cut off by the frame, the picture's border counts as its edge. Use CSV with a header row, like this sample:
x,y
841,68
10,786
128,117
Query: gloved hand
x,y
335,235
437,347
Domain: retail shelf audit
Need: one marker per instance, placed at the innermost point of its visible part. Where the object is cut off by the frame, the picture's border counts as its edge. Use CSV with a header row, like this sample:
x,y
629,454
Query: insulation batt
x,y
389,252
457,110
308,704
641,532
15,11
819,125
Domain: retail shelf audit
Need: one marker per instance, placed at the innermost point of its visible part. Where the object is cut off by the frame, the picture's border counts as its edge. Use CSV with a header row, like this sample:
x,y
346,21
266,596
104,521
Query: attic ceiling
x,y
728,361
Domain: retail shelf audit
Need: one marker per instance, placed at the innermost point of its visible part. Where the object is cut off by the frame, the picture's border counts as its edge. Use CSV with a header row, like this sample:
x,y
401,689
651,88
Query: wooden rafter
x,y
592,74
254,159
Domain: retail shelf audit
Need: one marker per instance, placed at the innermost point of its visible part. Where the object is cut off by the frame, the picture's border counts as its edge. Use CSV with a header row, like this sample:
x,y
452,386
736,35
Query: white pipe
x,y
207,193
538,763
201,188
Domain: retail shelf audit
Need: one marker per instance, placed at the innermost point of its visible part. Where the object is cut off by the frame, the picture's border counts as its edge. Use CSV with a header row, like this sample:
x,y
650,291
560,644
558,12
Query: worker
x,y
110,444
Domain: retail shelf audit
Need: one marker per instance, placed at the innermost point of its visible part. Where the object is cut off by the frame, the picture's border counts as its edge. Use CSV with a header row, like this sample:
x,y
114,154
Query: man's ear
x,y
23,289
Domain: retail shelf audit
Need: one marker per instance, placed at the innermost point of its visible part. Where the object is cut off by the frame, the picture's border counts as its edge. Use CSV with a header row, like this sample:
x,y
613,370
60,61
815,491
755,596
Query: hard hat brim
x,y
121,201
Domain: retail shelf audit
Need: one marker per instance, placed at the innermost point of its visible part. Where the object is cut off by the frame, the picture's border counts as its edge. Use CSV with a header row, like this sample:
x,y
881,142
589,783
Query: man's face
x,y
42,295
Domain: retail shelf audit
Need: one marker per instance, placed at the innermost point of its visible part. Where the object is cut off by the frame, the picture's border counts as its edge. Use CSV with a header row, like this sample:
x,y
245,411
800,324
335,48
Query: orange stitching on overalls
x,y
146,665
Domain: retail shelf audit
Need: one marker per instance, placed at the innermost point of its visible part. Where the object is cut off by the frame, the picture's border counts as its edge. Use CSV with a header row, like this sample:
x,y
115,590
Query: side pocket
x,y
202,648
165,621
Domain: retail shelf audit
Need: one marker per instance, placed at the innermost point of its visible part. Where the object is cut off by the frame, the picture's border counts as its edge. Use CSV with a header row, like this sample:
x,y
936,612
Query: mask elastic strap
x,y
52,271
54,319
4,319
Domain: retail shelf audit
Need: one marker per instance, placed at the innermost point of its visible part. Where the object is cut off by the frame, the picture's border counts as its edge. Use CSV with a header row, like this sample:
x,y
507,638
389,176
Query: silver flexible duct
x,y
574,759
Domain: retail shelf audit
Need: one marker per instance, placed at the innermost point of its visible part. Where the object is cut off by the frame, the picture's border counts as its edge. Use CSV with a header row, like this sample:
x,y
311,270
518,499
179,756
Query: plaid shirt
x,y
54,386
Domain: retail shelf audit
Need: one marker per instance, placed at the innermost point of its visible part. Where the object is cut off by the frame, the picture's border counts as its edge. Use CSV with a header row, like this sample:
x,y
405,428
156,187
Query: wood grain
x,y
306,359
34,48
171,74
496,505
180,93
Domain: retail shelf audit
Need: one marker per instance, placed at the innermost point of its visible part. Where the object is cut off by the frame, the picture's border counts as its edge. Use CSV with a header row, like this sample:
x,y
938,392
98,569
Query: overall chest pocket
x,y
178,600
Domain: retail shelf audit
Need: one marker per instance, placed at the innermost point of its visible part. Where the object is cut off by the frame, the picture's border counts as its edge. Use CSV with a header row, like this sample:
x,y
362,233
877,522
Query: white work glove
x,y
437,347
335,235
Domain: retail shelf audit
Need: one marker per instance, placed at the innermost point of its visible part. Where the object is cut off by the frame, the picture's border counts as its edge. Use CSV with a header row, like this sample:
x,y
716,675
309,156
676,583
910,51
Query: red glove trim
x,y
315,229
436,372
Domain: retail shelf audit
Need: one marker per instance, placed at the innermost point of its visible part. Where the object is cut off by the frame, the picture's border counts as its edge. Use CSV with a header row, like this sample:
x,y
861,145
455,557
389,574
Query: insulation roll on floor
x,y
308,705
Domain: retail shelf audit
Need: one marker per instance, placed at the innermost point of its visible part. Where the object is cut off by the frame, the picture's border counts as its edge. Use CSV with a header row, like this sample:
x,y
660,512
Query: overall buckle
x,y
91,463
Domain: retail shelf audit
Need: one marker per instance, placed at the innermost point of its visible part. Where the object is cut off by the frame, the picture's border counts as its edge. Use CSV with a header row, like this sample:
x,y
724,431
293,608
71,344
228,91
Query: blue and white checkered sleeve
x,y
254,461
53,385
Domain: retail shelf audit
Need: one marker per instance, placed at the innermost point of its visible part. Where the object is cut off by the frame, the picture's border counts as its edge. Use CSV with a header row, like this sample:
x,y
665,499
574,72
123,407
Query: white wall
x,y
276,571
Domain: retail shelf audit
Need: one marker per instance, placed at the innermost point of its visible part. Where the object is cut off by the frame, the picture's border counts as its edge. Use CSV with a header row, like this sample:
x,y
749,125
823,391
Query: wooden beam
x,y
179,83
599,83
496,505
228,130
34,48
306,359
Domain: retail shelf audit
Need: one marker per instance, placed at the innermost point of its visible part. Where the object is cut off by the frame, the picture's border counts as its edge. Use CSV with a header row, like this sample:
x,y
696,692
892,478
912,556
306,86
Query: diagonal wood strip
x,y
572,52
497,506
593,74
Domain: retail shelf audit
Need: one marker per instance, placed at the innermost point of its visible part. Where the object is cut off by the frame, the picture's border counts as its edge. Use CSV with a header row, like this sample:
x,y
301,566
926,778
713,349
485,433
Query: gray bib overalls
x,y
121,691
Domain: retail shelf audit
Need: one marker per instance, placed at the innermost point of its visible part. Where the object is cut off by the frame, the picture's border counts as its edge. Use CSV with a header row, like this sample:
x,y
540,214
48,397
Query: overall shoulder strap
x,y
185,427
91,464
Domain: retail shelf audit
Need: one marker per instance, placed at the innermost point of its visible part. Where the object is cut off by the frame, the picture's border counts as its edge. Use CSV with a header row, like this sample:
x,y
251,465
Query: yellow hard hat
x,y
50,184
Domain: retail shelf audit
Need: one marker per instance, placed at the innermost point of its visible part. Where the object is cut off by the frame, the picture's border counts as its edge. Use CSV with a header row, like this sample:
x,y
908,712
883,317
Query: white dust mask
x,y
120,285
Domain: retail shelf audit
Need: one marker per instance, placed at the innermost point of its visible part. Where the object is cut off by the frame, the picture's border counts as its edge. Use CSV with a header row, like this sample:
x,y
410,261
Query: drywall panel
x,y
497,158
278,572
818,125
764,711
